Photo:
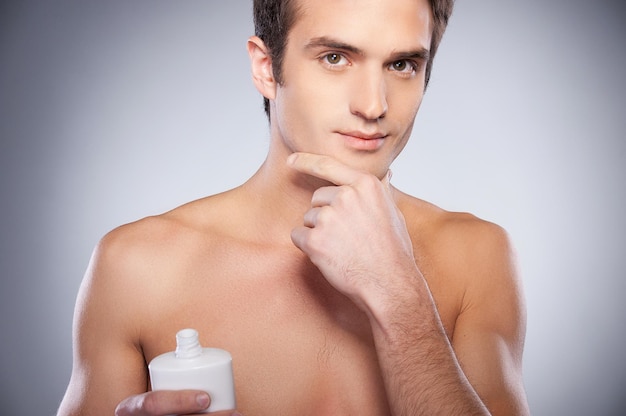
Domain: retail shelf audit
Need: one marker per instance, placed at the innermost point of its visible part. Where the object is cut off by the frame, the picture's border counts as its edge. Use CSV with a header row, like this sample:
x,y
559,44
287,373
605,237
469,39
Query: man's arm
x,y
358,238
108,362
489,334
482,365
108,365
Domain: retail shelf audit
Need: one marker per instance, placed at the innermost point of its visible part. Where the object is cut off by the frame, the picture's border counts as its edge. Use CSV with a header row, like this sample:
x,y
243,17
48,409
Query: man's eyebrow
x,y
421,54
326,42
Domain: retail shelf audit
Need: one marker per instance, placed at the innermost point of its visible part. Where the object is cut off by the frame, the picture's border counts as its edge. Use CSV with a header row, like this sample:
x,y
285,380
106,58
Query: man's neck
x,y
279,196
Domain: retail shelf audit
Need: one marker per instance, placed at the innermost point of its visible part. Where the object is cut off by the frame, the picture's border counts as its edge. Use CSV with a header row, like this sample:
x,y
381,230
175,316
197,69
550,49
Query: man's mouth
x,y
360,140
363,135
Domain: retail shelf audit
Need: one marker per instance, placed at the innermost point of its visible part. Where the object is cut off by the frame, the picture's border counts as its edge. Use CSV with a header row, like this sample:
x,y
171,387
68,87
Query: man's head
x,y
349,80
273,19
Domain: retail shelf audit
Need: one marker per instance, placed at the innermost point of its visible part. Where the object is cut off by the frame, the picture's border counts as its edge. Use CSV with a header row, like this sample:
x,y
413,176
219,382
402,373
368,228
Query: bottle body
x,y
207,369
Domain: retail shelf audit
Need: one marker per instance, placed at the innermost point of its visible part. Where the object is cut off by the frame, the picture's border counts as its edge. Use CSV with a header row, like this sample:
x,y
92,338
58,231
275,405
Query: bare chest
x,y
298,346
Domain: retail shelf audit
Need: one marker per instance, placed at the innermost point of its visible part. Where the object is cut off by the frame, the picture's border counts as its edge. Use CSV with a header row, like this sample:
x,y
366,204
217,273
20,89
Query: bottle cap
x,y
187,343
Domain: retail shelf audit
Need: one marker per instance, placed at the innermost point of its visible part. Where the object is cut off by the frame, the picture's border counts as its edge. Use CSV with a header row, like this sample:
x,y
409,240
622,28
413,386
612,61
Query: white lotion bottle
x,y
195,368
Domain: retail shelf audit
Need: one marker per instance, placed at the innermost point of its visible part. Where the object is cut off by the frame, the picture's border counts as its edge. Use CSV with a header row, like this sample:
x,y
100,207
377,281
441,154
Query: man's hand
x,y
354,233
164,402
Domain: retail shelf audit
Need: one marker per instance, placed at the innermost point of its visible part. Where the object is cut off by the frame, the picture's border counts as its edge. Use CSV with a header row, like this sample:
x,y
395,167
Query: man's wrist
x,y
398,304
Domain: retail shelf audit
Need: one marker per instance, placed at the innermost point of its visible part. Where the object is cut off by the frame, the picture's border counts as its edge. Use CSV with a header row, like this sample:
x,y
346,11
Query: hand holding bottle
x,y
182,381
168,402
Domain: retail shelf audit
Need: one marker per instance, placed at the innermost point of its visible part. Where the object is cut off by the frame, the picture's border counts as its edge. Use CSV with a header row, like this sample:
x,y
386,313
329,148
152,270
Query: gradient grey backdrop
x,y
114,110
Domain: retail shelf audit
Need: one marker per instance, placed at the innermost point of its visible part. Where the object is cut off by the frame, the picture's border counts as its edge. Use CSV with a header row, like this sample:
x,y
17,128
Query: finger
x,y
324,196
323,167
299,237
164,402
310,217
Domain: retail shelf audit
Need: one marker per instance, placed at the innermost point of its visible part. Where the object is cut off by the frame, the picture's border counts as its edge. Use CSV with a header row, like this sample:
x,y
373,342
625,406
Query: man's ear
x,y
261,63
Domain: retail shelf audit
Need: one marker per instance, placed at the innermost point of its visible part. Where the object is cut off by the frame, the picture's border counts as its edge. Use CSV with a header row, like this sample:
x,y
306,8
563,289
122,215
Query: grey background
x,y
111,111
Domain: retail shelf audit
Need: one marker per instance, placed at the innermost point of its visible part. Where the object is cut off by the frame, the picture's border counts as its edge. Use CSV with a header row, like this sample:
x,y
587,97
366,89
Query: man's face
x,y
353,79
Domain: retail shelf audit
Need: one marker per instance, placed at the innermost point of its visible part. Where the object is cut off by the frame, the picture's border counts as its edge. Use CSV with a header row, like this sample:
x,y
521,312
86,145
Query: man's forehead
x,y
338,7
405,24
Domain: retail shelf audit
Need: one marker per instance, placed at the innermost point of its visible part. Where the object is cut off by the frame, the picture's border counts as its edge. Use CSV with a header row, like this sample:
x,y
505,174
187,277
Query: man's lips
x,y
360,140
362,135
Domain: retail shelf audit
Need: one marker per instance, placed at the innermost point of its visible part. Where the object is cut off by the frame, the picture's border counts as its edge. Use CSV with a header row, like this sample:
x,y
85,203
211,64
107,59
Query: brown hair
x,y
274,18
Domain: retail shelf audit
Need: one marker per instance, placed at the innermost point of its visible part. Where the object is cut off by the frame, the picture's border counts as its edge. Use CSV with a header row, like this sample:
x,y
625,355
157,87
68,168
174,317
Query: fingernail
x,y
203,400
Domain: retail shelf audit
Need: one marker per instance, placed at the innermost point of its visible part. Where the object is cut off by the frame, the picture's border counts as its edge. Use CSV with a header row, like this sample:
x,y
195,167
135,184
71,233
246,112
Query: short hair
x,y
273,19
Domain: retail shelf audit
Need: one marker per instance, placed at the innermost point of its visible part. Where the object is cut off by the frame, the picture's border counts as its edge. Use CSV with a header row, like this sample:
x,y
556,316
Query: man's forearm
x,y
421,373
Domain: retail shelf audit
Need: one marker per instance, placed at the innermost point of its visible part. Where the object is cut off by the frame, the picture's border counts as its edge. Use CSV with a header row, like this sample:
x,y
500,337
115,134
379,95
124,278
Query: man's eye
x,y
399,65
404,66
333,58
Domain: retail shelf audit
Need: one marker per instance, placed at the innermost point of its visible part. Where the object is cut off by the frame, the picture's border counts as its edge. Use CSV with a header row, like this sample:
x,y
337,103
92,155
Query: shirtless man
x,y
335,293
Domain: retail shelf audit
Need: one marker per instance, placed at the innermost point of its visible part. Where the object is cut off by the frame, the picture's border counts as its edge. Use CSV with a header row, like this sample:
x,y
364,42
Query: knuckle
x,y
368,182
323,216
309,219
313,242
346,195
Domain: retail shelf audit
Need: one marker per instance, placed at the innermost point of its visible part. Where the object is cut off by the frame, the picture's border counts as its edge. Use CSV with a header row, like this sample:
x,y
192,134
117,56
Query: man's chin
x,y
371,165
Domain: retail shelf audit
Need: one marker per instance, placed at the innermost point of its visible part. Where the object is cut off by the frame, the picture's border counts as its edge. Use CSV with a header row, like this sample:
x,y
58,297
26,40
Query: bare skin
x,y
335,293
299,347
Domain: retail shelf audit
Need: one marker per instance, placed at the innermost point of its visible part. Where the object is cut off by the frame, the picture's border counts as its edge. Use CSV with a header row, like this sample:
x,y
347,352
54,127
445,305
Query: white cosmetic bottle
x,y
196,368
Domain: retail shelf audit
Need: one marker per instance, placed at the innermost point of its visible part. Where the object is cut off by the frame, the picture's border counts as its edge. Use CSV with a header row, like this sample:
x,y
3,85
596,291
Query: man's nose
x,y
369,98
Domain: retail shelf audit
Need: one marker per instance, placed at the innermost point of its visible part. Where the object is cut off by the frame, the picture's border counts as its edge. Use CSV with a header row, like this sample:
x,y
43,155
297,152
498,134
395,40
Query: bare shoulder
x,y
459,238
130,261
144,242
143,254
467,261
